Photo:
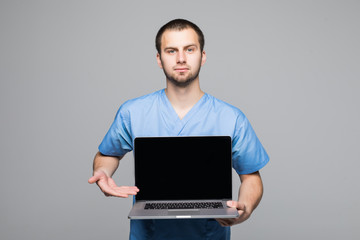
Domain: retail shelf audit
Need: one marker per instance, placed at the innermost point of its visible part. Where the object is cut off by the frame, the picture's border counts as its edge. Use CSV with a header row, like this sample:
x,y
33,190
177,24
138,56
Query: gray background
x,y
66,66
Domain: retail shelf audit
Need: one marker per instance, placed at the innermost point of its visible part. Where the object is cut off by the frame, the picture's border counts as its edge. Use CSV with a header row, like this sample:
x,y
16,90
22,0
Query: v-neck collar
x,y
176,123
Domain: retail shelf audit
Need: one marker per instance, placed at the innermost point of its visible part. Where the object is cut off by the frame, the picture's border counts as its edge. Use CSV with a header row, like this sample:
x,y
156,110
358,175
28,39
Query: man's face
x,y
181,57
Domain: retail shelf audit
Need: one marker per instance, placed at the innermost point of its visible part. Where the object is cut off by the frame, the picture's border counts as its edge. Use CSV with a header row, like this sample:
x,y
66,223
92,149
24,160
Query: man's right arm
x,y
104,168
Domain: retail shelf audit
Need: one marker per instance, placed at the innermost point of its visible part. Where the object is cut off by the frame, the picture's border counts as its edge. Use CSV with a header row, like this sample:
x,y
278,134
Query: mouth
x,y
181,69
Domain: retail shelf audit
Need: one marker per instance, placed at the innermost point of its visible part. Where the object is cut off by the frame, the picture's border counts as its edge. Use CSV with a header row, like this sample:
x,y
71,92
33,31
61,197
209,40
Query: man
x,y
181,109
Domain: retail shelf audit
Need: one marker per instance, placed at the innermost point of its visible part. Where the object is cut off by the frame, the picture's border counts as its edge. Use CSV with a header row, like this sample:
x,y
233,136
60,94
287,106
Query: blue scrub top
x,y
153,115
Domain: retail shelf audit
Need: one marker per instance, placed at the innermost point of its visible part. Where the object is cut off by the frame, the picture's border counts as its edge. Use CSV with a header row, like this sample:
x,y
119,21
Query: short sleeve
x,y
248,153
118,141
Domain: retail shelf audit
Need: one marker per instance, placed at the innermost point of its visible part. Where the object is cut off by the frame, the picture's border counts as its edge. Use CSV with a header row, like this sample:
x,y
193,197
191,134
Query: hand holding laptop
x,y
249,197
109,187
243,214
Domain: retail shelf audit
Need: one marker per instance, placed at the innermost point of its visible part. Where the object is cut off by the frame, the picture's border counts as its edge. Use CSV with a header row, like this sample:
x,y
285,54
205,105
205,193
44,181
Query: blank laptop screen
x,y
179,168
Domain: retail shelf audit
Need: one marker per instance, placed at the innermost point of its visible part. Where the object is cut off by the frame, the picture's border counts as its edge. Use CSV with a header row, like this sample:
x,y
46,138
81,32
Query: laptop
x,y
183,177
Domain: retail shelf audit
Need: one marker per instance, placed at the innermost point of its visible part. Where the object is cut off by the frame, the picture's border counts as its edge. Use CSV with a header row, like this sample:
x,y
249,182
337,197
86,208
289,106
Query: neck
x,y
183,98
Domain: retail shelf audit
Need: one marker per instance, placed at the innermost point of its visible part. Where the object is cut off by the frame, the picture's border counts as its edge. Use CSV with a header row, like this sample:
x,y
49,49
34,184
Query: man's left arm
x,y
250,193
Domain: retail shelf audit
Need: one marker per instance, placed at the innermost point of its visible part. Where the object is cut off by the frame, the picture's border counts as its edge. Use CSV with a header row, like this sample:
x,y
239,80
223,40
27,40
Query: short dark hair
x,y
179,24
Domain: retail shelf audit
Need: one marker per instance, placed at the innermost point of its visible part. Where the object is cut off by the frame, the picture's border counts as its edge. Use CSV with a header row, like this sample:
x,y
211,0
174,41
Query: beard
x,y
179,81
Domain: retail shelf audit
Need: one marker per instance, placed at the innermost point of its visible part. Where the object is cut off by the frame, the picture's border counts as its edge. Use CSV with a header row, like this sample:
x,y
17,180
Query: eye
x,y
171,51
190,49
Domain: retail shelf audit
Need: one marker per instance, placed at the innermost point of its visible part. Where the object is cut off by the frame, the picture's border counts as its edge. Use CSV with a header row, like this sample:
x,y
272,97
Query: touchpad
x,y
183,212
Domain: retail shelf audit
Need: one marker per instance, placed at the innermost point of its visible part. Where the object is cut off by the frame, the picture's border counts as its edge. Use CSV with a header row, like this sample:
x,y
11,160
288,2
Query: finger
x,y
126,189
123,191
224,222
112,184
232,204
221,222
97,176
237,205
93,179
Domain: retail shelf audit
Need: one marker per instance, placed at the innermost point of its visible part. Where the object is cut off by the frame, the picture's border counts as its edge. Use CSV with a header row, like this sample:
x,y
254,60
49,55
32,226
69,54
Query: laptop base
x,y
138,212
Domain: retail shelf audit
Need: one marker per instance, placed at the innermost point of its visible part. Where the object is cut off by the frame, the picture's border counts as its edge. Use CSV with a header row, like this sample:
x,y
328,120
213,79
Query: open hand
x,y
109,187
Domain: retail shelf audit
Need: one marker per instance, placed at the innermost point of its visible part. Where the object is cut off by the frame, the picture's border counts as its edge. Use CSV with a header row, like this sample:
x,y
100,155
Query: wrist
x,y
101,171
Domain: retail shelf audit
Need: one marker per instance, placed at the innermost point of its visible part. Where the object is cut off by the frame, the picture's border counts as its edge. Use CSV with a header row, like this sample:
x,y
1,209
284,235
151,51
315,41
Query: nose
x,y
181,57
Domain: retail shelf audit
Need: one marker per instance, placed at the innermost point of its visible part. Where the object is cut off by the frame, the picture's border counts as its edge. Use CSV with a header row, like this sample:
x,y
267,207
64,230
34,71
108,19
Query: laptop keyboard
x,y
184,205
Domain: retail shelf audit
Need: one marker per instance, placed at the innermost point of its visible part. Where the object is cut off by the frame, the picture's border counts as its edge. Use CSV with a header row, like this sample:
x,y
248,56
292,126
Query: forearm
x,y
251,191
106,164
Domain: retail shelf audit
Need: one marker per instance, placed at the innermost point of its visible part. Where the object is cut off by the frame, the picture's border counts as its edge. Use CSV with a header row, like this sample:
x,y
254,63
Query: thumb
x,y
93,179
97,176
237,205
232,204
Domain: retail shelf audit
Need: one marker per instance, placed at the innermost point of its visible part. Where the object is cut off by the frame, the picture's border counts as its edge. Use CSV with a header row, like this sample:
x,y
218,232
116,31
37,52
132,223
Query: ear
x,y
158,59
203,58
